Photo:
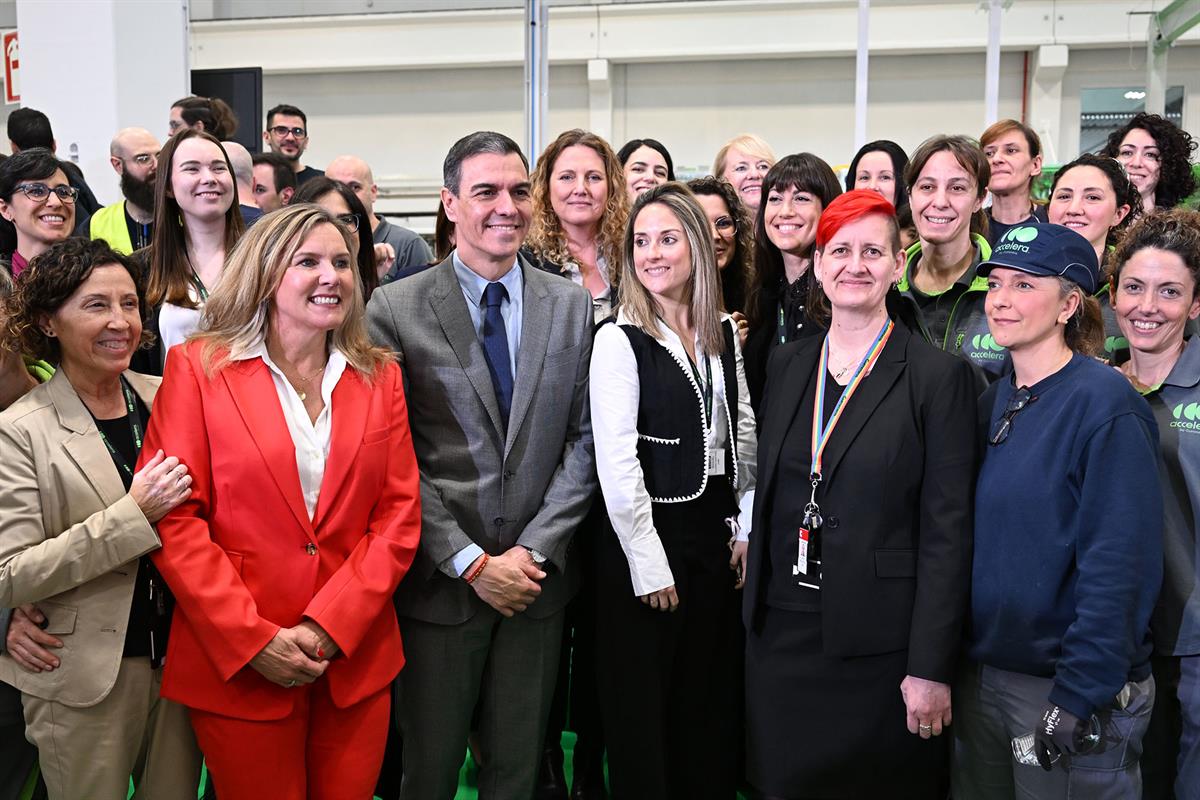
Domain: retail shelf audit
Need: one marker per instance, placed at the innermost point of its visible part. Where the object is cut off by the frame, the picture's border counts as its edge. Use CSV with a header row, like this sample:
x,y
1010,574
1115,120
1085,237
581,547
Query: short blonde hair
x,y
703,293
748,143
237,313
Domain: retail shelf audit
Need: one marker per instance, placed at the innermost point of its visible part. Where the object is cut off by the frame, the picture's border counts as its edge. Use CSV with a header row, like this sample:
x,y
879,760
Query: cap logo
x,y
1016,240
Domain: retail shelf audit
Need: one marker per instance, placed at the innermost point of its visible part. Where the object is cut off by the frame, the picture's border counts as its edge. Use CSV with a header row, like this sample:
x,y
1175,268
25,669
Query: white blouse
x,y
310,438
614,390
602,304
176,323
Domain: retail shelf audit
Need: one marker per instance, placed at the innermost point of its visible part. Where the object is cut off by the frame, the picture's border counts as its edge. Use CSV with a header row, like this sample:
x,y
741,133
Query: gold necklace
x,y
304,381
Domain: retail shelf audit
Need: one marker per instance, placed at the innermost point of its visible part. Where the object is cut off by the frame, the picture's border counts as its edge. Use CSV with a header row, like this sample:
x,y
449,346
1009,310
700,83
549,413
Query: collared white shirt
x,y
615,394
311,439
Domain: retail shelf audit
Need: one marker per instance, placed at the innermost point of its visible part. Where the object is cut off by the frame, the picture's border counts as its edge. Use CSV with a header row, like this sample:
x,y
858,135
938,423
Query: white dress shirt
x,y
615,396
310,438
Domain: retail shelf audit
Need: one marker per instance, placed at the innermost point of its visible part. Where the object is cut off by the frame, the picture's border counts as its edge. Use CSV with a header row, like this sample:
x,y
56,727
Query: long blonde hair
x,y
546,236
703,292
237,313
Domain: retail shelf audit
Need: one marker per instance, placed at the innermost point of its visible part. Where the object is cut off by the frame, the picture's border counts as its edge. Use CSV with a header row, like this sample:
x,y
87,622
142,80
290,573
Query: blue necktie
x,y
495,347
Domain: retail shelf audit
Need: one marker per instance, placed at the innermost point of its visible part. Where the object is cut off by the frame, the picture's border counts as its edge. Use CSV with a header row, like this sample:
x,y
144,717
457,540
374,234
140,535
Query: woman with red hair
x,y
859,563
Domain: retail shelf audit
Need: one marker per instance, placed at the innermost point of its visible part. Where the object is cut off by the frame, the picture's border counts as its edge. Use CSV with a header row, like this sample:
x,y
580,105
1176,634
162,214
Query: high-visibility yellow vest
x,y
109,224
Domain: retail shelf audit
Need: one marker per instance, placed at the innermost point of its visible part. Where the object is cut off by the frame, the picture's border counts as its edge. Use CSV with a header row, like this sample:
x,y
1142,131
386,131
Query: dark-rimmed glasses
x,y
350,221
39,192
1020,398
283,130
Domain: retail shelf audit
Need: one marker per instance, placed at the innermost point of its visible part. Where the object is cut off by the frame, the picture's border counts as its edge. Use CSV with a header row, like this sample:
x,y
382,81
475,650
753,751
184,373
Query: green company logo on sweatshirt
x,y
986,342
1114,343
984,348
1187,416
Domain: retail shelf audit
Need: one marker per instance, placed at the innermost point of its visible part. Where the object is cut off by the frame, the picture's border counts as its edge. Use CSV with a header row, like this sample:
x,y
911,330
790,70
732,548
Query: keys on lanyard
x,y
811,524
821,430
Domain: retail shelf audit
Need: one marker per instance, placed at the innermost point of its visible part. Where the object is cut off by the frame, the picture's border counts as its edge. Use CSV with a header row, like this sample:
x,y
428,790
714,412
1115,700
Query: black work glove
x,y
1059,735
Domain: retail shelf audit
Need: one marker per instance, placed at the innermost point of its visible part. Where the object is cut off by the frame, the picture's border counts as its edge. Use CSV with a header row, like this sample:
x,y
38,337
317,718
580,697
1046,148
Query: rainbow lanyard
x,y
822,430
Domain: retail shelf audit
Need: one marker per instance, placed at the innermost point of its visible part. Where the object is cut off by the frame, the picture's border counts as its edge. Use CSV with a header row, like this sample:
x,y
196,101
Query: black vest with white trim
x,y
672,441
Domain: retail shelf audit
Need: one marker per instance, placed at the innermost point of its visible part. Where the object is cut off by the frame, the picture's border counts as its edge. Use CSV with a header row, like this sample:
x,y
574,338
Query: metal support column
x,y
537,76
1165,27
861,82
991,91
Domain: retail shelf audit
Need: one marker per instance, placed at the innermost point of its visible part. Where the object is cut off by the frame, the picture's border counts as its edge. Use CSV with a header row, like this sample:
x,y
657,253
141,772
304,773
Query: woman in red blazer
x,y
304,516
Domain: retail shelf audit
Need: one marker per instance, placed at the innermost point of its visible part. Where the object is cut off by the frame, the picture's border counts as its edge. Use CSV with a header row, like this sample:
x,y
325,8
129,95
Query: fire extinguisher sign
x,y
12,69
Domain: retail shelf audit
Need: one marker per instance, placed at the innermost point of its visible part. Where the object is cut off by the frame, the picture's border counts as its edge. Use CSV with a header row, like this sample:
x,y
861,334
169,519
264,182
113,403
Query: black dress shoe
x,y
588,779
551,782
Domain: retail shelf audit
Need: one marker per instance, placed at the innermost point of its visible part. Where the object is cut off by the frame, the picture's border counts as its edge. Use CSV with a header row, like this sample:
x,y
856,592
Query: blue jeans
x,y
993,706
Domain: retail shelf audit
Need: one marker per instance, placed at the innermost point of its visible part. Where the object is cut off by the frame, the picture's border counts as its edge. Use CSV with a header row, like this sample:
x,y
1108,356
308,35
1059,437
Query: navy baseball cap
x,y
1044,249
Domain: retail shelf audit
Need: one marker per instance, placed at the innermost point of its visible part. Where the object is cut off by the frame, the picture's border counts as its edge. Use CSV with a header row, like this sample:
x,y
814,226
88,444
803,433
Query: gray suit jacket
x,y
531,487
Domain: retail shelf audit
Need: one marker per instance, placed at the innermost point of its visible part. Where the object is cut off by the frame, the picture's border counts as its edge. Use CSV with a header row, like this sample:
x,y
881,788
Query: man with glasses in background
x,y
287,135
128,225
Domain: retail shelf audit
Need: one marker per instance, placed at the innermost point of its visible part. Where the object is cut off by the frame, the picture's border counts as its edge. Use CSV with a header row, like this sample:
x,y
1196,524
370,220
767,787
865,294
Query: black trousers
x,y
670,682
576,704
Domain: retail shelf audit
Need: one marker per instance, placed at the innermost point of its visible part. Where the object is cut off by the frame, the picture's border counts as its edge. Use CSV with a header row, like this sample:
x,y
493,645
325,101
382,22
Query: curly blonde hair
x,y
546,237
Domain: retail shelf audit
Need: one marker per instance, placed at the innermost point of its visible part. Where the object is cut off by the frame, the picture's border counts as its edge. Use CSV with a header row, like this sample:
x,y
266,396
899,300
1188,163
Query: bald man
x,y
129,224
411,251
243,178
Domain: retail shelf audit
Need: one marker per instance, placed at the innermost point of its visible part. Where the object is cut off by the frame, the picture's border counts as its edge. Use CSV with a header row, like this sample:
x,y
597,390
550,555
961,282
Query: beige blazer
x,y
70,537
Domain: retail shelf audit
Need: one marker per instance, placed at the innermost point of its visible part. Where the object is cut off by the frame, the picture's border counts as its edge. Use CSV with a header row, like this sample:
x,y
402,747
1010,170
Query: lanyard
x,y
781,328
195,279
706,386
135,427
199,284
822,430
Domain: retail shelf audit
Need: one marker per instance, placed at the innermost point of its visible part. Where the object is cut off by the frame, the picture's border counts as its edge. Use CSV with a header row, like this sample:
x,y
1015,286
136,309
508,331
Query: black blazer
x,y
897,500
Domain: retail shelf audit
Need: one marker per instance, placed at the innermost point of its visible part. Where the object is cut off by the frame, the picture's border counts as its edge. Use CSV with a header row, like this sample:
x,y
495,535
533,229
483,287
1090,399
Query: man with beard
x,y
287,135
129,224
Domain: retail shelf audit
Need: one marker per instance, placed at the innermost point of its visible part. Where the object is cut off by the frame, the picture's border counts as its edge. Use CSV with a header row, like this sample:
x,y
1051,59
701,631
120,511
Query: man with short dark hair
x,y
129,224
409,249
495,355
29,128
287,135
274,181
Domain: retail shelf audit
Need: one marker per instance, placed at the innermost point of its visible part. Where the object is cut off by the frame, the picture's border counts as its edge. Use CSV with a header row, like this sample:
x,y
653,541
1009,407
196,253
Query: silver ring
x,y
925,727
290,684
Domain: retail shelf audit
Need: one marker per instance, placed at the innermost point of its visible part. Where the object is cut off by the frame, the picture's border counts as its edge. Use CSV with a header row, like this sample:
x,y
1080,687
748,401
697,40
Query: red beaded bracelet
x,y
475,573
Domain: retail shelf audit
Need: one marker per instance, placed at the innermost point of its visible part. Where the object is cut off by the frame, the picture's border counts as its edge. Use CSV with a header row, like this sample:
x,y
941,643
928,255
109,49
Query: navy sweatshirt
x,y
1068,536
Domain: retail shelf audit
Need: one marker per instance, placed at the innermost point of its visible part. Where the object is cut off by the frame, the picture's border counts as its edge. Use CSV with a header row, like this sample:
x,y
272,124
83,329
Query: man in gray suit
x,y
495,355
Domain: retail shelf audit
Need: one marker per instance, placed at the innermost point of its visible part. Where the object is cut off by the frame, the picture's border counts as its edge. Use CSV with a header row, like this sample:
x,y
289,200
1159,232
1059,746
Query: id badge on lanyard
x,y
821,431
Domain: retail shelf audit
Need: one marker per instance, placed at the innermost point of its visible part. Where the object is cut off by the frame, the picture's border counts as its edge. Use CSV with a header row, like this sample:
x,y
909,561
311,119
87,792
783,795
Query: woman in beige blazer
x,y
75,527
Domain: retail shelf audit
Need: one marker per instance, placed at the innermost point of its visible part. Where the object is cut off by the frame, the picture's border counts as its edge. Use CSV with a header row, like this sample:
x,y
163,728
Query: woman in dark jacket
x,y
794,193
859,560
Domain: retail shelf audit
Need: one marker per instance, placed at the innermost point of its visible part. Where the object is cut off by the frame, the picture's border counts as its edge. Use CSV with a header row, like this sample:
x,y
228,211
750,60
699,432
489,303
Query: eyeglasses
x,y
144,159
1021,398
283,130
39,192
724,224
350,221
